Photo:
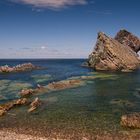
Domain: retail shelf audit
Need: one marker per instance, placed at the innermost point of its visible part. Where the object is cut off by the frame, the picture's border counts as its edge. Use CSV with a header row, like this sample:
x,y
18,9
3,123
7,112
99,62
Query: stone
x,y
26,92
131,120
34,105
18,68
7,106
128,39
109,54
2,112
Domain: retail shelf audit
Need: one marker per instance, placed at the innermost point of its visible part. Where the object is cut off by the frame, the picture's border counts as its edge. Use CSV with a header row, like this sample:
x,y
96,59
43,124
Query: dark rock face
x,y
131,120
128,39
109,54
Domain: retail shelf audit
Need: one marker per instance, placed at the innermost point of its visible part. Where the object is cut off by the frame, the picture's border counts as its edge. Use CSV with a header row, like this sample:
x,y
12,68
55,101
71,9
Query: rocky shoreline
x,y
30,134
8,135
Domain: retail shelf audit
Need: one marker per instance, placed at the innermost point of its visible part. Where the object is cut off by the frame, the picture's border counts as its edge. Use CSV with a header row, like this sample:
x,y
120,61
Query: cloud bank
x,y
42,52
57,4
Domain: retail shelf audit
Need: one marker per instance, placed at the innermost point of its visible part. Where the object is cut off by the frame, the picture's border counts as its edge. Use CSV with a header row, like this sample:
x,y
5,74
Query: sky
x,y
62,28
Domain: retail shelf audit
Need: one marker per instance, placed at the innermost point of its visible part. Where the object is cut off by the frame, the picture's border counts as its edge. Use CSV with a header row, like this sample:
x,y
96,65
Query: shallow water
x,y
96,105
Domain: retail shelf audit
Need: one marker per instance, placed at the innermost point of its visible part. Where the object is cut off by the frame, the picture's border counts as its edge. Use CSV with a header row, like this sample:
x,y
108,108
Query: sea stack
x,y
116,54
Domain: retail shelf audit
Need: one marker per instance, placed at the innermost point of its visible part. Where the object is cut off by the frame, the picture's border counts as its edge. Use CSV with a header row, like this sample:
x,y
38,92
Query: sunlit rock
x,y
7,106
26,92
34,105
131,120
109,54
18,68
64,84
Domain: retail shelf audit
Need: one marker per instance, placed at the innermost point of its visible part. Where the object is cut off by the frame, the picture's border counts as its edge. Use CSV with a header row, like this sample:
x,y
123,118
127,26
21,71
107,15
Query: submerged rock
x,y
122,103
60,85
128,39
18,68
131,120
64,84
34,105
7,106
109,54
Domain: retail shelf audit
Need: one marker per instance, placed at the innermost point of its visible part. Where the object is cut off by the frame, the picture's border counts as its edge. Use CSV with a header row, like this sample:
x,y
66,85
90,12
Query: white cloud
x,y
43,47
51,3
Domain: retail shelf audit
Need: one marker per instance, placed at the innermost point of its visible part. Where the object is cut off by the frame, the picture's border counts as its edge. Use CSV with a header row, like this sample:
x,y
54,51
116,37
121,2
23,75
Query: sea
x,y
95,106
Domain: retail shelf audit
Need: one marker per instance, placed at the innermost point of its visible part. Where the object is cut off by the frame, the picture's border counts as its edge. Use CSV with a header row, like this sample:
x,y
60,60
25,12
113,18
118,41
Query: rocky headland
x,y
115,54
18,68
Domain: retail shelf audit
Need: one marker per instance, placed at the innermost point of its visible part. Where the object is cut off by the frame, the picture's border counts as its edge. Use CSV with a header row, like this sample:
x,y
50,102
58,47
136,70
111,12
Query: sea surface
x,y
95,106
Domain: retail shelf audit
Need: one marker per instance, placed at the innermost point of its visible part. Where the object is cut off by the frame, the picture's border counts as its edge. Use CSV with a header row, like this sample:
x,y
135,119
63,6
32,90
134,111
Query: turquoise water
x,y
96,105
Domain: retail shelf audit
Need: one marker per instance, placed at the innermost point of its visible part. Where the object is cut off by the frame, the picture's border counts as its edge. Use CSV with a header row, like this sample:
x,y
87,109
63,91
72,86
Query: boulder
x,y
109,54
34,105
131,120
128,39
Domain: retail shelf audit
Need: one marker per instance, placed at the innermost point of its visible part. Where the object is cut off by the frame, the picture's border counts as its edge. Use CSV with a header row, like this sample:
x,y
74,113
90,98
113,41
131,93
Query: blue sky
x,y
61,28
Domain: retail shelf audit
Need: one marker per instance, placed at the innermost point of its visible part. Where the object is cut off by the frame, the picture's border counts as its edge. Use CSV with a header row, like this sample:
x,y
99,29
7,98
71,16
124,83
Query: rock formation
x,y
128,39
26,92
34,105
131,120
110,54
7,106
18,68
60,85
64,84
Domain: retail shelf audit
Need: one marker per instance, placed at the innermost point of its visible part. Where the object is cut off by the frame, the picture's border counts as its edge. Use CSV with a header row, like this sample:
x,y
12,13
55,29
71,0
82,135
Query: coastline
x,y
15,134
9,135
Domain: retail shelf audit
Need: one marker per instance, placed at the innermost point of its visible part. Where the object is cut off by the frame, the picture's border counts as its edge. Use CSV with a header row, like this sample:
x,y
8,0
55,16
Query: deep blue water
x,y
98,104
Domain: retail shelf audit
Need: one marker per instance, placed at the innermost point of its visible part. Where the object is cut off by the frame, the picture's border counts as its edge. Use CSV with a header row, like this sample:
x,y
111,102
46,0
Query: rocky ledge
x,y
4,108
9,105
18,68
117,54
53,86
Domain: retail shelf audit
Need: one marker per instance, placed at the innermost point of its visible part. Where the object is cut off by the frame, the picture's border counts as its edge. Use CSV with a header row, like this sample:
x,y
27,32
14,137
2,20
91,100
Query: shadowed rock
x,y
109,54
128,39
7,106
